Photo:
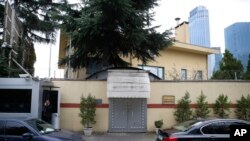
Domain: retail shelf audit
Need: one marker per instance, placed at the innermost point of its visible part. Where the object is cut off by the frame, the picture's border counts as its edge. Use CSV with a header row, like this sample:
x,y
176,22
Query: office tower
x,y
218,58
199,26
237,41
199,33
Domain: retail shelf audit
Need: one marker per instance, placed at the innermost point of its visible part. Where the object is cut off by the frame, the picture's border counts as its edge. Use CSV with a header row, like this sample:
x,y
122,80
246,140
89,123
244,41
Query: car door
x,y
216,131
2,131
14,131
195,135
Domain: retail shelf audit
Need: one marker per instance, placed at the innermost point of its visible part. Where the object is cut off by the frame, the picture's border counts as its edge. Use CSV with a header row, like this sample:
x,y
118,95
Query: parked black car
x,y
32,129
200,129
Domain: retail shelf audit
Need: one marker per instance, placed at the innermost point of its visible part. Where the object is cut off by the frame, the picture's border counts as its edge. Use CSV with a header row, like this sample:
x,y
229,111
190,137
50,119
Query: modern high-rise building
x,y
237,41
199,32
218,58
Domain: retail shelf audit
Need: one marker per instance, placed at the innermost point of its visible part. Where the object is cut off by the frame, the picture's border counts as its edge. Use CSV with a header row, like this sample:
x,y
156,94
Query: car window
x,y
41,126
216,128
1,127
184,126
15,129
238,123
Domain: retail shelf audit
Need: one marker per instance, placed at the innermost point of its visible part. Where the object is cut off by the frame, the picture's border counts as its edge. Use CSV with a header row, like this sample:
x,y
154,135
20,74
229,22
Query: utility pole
x,y
69,70
235,75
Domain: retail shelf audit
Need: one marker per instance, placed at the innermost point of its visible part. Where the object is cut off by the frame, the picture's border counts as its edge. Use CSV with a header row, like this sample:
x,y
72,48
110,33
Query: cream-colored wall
x,y
173,61
182,33
71,92
79,74
71,121
234,90
165,114
212,89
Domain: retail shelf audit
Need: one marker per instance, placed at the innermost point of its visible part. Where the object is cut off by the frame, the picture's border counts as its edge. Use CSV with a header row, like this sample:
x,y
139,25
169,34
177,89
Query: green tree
x,y
26,57
103,32
183,111
247,73
37,25
221,106
230,68
87,111
37,19
202,106
4,69
243,108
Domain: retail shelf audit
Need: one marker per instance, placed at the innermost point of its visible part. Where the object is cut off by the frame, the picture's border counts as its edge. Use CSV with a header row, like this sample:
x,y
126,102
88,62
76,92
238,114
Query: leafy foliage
x,y
202,106
37,19
243,108
24,47
87,110
105,31
26,56
229,66
221,106
183,111
4,69
158,123
247,73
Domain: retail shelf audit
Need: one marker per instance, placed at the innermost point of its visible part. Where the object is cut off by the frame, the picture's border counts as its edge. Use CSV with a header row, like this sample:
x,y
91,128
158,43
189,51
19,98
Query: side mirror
x,y
27,135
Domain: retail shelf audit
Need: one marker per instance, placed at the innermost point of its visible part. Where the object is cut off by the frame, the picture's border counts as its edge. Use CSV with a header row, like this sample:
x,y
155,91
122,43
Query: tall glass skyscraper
x,y
218,58
199,32
237,41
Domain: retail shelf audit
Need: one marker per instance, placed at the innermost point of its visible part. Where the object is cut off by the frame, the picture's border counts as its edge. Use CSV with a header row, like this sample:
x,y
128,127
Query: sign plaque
x,y
168,99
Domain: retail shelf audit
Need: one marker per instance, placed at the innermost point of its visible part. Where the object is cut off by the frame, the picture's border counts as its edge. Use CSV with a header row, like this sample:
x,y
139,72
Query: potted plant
x,y
87,113
158,125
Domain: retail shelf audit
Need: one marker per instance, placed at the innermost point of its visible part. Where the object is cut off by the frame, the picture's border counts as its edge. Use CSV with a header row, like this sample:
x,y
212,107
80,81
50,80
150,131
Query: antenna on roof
x,y
177,20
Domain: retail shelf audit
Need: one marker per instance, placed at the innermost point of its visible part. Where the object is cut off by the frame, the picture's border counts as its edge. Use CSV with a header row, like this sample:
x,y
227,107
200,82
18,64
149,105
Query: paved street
x,y
121,137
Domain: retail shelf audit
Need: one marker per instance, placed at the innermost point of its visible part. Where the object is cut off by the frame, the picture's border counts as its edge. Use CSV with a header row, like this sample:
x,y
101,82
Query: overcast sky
x,y
222,13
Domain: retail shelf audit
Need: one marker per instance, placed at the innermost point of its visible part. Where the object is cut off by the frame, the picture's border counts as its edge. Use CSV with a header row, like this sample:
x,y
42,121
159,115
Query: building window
x,y
15,100
96,67
158,71
183,74
93,68
199,75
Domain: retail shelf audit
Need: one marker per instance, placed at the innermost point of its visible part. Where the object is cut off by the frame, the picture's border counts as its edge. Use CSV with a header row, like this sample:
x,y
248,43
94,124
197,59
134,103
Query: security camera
x,y
23,75
5,45
26,76
36,78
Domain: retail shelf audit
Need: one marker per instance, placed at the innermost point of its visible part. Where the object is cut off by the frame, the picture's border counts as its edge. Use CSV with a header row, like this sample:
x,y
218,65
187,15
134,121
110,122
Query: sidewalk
x,y
121,137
